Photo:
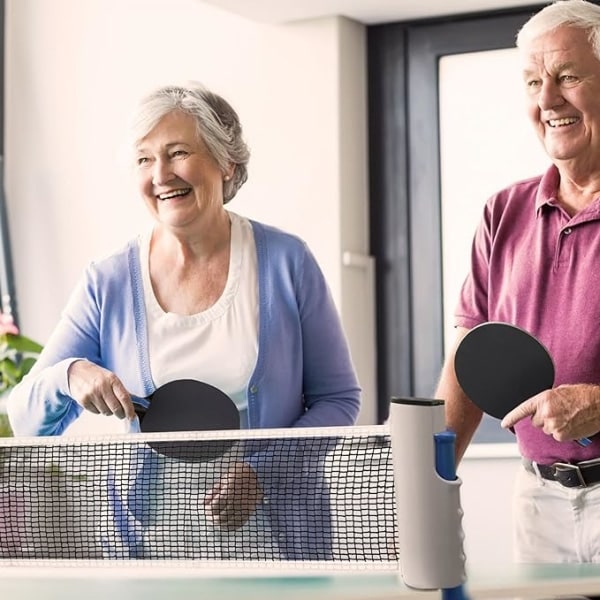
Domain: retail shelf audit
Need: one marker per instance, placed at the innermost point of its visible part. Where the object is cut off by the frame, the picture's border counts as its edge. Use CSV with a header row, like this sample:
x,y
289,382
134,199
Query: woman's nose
x,y
161,172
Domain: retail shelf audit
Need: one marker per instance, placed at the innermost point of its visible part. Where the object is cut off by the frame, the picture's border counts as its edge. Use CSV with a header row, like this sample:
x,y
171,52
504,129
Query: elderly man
x,y
536,264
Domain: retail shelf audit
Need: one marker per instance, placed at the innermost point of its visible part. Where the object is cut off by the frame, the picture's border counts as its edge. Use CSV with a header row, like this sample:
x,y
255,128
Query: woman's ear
x,y
228,174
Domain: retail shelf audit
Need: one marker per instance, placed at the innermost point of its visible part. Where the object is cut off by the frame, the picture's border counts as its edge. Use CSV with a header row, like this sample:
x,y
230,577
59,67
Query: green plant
x,y
5,430
18,354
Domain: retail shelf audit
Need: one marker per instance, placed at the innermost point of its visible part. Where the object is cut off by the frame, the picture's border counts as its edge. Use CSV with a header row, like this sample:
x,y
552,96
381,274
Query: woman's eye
x,y
141,160
178,153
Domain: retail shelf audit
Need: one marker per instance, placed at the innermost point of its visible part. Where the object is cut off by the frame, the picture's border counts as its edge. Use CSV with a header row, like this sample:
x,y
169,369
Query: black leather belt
x,y
570,475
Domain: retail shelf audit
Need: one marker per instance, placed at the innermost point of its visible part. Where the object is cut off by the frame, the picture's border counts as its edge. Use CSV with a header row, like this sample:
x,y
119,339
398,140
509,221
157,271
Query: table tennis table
x,y
506,582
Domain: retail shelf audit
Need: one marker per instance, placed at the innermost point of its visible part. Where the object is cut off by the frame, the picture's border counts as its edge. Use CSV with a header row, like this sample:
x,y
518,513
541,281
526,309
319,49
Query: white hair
x,y
563,13
217,124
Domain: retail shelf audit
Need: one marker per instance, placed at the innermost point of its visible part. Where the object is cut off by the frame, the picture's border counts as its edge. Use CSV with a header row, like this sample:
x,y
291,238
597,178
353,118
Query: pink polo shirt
x,y
535,267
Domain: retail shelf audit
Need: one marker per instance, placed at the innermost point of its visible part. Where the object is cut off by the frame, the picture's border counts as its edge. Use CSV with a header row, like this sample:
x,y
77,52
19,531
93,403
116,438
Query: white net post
x,y
430,536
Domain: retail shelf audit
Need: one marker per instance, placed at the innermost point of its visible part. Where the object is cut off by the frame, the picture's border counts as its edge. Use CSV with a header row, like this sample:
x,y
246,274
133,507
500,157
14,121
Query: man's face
x,y
562,78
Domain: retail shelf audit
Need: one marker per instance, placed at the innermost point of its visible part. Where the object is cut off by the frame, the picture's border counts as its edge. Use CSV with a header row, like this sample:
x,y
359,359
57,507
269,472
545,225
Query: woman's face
x,y
177,177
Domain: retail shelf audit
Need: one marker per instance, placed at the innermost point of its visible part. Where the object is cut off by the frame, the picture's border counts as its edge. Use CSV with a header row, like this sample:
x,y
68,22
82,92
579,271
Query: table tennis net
x,y
321,496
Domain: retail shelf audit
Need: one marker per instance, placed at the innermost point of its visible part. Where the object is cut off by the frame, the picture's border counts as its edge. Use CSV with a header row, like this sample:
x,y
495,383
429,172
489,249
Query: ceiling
x,y
368,12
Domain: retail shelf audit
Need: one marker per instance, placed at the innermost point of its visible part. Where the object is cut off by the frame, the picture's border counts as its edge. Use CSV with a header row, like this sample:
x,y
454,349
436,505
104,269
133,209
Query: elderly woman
x,y
206,294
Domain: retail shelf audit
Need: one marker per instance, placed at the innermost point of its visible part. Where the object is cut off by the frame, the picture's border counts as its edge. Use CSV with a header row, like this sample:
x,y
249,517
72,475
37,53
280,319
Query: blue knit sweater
x,y
303,377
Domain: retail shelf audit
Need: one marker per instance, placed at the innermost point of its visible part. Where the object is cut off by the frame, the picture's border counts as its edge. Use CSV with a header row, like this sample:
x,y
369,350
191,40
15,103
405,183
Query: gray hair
x,y
217,124
570,13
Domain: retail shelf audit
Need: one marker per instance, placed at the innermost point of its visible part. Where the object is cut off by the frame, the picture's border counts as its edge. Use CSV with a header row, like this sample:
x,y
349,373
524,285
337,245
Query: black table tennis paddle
x,y
499,366
188,405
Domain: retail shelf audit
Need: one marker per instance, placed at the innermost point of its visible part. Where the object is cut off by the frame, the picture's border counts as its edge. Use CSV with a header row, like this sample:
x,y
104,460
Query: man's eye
x,y
533,85
568,78
141,160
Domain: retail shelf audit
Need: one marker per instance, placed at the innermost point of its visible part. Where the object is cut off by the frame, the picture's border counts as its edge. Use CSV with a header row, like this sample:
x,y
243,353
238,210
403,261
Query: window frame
x,y
8,296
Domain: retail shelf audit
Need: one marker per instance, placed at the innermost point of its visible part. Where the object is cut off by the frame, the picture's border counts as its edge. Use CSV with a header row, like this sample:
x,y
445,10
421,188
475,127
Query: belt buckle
x,y
560,467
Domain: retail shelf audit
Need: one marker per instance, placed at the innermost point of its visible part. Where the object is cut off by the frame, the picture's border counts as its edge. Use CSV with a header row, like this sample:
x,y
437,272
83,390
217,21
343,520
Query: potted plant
x,y
18,354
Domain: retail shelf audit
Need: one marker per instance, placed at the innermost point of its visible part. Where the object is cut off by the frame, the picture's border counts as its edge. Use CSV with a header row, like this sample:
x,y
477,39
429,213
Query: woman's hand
x,y
235,497
99,390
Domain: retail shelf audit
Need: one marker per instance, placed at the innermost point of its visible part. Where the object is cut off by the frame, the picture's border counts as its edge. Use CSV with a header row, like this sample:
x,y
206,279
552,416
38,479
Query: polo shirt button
x,y
254,389
567,231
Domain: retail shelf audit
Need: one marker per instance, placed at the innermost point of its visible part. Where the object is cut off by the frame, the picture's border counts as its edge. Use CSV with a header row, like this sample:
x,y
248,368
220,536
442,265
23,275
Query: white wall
x,y
486,499
73,73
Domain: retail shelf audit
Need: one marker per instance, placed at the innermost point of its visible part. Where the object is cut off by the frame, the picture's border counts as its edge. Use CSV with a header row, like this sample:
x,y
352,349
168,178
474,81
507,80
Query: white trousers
x,y
555,524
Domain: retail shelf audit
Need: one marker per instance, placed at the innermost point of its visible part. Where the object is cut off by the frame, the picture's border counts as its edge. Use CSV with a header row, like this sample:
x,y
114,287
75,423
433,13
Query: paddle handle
x,y
144,403
141,406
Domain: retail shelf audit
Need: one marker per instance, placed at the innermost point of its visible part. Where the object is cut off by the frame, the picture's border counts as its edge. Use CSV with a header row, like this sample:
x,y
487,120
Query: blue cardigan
x,y
303,377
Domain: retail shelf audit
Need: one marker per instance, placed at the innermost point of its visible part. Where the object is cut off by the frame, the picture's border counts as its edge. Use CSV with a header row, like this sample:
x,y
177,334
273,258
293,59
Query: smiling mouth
x,y
555,123
174,194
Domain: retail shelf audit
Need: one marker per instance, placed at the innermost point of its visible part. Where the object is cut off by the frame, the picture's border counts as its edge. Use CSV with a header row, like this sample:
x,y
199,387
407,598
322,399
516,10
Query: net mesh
x,y
254,497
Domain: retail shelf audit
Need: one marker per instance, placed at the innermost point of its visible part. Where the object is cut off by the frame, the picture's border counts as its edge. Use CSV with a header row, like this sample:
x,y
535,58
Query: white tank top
x,y
219,345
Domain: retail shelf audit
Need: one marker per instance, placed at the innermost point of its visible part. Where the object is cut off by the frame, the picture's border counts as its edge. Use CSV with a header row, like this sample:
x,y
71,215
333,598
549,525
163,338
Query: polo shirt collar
x,y
547,196
548,188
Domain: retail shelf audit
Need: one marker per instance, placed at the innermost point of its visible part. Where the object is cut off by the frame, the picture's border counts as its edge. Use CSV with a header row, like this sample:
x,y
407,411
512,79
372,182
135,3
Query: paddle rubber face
x,y
189,405
499,366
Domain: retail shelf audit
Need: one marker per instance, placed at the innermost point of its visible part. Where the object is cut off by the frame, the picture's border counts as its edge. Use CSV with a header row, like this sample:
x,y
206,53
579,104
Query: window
x,y
412,68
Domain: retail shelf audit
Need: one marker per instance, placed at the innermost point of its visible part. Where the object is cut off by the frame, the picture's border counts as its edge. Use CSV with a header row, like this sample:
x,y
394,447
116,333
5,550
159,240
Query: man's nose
x,y
550,95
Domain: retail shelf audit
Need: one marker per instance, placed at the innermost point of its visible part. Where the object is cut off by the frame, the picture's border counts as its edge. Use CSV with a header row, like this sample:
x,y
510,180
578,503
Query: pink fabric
x,y
537,268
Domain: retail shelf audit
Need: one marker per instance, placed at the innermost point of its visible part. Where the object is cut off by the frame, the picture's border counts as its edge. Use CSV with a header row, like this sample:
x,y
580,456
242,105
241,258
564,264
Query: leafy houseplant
x,y
18,354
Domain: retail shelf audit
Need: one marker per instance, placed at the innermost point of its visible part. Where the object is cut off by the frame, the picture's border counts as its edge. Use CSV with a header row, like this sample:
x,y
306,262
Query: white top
x,y
219,345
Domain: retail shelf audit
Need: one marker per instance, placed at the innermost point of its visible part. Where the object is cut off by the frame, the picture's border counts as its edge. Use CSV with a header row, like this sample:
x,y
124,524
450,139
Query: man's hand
x,y
568,412
99,390
235,497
